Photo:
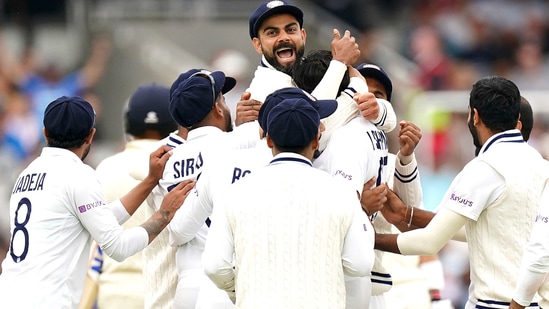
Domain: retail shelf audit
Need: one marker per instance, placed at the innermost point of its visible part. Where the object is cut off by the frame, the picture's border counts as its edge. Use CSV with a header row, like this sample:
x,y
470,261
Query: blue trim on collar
x,y
291,159
514,137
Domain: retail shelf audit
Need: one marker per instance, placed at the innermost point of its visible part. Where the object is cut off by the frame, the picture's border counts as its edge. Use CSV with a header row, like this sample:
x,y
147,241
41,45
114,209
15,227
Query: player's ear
x,y
304,35
519,125
257,45
218,109
476,117
269,141
315,142
89,139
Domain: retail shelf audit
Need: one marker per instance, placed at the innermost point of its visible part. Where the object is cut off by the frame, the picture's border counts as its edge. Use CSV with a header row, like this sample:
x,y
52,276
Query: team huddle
x,y
290,205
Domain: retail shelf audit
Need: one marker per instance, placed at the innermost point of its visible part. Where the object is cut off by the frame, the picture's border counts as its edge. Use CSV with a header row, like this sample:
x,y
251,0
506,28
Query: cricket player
x,y
308,74
309,226
197,103
57,208
146,121
494,200
276,30
217,177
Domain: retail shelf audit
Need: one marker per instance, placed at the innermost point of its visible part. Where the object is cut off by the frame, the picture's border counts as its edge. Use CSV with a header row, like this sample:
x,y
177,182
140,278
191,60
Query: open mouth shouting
x,y
285,54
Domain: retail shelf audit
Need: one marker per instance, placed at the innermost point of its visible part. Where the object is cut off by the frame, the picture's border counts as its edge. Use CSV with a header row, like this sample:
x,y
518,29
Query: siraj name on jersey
x,y
29,182
187,167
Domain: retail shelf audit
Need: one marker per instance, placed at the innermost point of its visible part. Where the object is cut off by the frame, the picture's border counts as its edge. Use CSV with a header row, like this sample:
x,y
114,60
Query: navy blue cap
x,y
148,109
377,73
293,123
324,107
270,8
193,94
69,118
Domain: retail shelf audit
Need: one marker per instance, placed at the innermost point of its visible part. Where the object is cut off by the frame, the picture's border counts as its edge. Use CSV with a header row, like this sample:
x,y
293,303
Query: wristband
x,y
411,217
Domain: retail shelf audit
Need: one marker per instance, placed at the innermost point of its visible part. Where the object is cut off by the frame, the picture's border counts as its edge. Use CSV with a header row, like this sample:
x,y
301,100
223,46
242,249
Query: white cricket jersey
x,y
268,79
355,153
203,145
159,269
56,208
122,284
347,110
405,181
502,213
214,179
535,261
294,231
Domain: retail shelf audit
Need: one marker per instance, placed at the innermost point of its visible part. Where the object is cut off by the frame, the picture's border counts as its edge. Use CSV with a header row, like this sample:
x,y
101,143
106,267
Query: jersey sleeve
x,y
188,220
328,87
96,216
387,120
406,182
463,195
430,239
217,259
358,248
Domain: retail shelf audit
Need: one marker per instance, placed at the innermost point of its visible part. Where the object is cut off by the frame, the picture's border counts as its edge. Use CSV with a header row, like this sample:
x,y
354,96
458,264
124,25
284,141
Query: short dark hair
x,y
308,72
526,118
497,101
66,143
139,130
297,149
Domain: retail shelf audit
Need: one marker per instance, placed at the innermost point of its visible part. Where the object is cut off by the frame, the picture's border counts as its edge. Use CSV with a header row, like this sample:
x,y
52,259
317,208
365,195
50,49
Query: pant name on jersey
x,y
239,173
30,182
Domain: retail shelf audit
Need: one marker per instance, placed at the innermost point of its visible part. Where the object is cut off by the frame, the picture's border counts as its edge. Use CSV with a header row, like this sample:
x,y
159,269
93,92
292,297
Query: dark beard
x,y
228,122
271,58
86,152
474,133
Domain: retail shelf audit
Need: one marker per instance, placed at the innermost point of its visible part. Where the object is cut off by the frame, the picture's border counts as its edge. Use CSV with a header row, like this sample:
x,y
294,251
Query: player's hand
x,y
408,136
246,109
175,198
157,162
373,198
367,105
353,72
394,210
345,49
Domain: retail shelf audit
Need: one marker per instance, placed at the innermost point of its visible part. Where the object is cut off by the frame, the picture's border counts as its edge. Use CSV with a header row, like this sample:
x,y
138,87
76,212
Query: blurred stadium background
x,y
434,50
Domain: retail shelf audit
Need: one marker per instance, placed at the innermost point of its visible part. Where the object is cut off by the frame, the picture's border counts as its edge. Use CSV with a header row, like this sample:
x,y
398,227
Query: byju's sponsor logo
x,y
344,175
541,218
86,207
461,200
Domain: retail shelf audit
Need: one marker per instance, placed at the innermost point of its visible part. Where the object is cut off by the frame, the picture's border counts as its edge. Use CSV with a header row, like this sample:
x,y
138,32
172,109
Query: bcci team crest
x,y
274,4
152,117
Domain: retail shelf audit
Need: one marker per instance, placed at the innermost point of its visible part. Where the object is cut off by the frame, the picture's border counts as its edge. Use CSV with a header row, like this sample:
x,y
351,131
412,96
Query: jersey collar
x,y
509,136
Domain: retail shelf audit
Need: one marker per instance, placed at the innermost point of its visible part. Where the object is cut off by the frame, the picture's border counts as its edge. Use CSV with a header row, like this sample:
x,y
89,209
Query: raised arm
x,y
345,52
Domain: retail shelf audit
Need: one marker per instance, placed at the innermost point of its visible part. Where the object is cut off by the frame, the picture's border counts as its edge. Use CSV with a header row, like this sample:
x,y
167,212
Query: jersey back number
x,y
20,230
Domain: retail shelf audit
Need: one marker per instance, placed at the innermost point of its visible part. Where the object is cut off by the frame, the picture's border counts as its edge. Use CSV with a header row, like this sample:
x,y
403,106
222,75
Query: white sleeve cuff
x,y
528,283
119,211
